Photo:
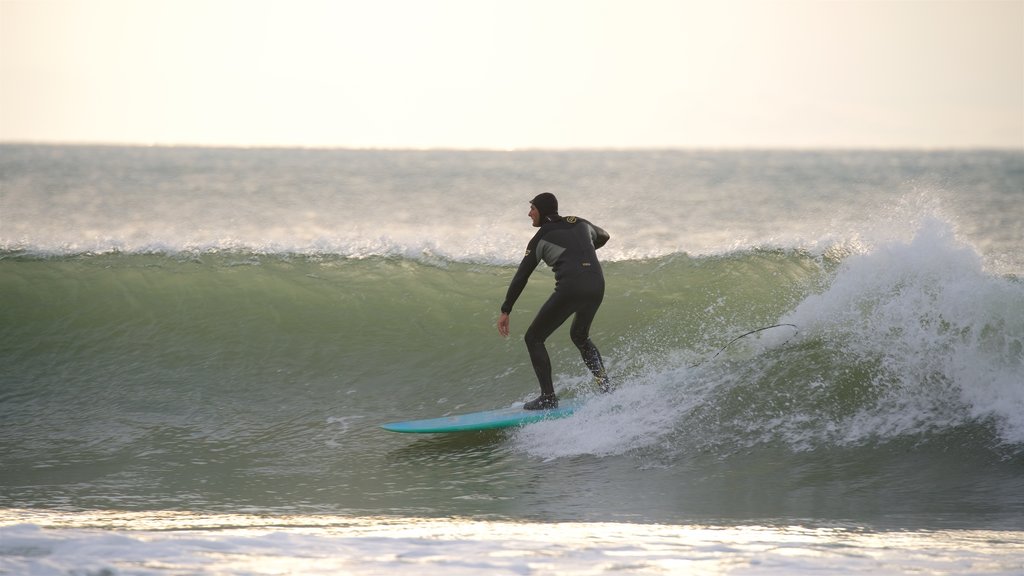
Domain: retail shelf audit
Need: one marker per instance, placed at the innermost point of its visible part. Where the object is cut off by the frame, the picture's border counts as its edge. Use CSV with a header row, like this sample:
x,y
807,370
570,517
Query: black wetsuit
x,y
569,246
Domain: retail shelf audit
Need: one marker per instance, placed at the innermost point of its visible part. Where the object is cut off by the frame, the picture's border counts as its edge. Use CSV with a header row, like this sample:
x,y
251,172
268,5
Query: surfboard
x,y
486,420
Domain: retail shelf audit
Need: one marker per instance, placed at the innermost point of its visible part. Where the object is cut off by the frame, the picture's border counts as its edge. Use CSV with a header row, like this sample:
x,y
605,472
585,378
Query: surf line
x,y
744,335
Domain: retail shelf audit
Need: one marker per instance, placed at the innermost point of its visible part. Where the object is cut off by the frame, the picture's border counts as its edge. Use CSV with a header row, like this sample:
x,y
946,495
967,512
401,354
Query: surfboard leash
x,y
744,335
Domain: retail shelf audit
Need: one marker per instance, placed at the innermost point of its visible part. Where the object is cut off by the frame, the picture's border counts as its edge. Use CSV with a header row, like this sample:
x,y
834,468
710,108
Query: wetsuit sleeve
x,y
526,267
598,235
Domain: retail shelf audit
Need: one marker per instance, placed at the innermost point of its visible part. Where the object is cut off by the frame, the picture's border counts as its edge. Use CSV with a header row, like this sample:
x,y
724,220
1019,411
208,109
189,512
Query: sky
x,y
514,74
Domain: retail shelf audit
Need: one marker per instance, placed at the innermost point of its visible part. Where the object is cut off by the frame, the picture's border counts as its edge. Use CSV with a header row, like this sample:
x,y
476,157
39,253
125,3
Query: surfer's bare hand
x,y
503,323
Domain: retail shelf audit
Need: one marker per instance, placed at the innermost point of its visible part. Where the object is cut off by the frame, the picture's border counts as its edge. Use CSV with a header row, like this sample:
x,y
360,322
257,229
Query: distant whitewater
x,y
471,206
197,332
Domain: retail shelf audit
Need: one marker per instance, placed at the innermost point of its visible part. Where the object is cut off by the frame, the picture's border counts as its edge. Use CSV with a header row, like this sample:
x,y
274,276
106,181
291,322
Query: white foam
x,y
627,419
944,331
176,543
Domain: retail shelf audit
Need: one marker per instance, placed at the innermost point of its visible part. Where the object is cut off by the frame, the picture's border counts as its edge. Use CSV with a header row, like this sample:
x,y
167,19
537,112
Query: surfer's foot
x,y
542,402
604,384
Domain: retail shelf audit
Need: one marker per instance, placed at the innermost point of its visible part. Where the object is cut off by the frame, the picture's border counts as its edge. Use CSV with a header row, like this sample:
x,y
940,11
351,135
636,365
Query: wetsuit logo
x,y
570,219
527,252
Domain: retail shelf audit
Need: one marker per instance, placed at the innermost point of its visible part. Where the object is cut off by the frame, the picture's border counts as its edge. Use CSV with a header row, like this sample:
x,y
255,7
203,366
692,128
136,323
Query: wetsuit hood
x,y
547,206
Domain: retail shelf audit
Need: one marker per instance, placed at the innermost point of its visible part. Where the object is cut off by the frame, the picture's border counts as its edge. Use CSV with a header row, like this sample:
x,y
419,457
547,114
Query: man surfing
x,y
569,246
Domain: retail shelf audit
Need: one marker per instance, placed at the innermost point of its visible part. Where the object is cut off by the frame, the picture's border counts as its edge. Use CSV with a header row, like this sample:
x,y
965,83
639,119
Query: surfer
x,y
569,246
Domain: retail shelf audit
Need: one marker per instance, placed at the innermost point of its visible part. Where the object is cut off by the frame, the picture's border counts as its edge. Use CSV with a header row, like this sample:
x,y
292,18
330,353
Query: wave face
x,y
234,380
247,378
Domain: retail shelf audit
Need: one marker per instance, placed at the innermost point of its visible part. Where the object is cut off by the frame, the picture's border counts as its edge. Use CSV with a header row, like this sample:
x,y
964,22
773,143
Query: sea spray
x,y
943,337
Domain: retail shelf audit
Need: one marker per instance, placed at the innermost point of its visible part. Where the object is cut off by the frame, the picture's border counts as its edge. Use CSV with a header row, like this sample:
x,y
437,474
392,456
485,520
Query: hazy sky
x,y
514,73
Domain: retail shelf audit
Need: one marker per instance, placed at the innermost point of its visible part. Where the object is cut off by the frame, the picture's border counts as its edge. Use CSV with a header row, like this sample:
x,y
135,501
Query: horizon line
x,y
672,148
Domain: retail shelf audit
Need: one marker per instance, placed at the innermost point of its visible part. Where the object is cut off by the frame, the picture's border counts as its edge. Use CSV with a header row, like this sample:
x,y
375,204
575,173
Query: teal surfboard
x,y
486,420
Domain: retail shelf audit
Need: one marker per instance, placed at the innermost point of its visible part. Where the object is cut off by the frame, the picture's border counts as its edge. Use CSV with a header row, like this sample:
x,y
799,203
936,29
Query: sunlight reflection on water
x,y
168,542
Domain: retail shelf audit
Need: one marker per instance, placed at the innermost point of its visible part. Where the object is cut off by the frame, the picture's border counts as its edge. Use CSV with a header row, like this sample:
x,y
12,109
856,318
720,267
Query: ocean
x,y
198,345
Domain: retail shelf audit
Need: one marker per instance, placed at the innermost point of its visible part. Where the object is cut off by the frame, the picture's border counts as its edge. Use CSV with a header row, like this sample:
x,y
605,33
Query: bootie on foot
x,y
542,402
